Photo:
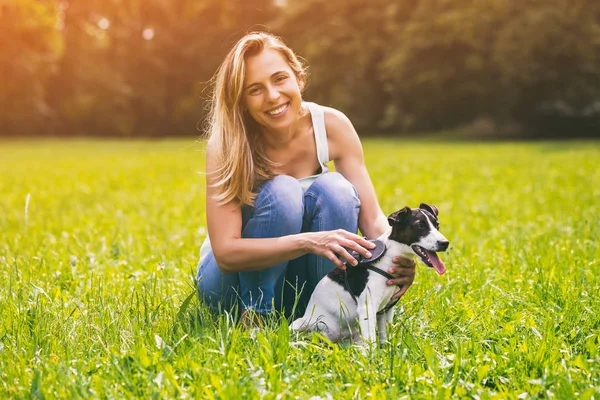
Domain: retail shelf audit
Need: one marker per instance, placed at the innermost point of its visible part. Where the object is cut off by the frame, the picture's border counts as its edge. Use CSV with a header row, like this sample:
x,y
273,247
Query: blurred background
x,y
484,69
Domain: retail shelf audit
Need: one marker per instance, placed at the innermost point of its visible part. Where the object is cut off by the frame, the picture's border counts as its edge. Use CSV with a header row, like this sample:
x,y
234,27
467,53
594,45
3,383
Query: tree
x,y
344,42
549,58
30,48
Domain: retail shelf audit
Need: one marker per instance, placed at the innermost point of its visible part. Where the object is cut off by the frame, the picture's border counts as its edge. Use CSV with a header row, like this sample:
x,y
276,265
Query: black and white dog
x,y
359,296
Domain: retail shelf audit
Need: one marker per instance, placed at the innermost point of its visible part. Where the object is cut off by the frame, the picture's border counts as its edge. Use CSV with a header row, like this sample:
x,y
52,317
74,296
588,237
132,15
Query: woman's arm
x,y
234,253
346,152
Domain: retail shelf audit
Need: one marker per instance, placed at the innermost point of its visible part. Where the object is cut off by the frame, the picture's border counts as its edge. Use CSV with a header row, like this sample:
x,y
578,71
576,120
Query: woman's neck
x,y
282,138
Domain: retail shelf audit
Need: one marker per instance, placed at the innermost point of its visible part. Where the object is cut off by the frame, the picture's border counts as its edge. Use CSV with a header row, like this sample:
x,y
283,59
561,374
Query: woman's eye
x,y
280,78
254,91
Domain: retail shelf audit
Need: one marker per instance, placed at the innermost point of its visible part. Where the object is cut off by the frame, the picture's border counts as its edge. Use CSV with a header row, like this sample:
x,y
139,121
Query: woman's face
x,y
271,90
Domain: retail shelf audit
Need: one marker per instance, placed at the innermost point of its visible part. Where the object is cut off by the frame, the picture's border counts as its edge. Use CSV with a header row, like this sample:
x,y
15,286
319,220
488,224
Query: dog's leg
x,y
299,325
367,316
382,321
381,325
356,338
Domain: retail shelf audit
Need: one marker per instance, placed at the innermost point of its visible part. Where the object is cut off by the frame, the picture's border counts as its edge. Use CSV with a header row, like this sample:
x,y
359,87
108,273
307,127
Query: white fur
x,y
333,312
430,241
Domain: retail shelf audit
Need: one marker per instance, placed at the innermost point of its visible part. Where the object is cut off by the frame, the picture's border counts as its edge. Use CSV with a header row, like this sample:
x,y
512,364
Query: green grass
x,y
96,298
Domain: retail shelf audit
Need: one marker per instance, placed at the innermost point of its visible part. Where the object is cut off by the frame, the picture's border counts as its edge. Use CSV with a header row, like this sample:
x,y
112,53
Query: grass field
x,y
99,243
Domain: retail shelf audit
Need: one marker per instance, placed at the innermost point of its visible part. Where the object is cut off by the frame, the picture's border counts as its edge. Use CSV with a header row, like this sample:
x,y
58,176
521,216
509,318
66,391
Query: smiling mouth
x,y
277,111
429,258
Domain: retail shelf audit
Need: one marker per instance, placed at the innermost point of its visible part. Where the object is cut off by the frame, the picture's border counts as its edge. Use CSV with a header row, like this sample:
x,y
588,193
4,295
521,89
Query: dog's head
x,y
418,228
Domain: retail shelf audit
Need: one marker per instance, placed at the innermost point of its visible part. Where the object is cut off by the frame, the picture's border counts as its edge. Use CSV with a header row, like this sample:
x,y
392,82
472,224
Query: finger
x,y
349,244
404,262
338,263
340,251
365,243
406,281
402,271
358,239
339,256
400,293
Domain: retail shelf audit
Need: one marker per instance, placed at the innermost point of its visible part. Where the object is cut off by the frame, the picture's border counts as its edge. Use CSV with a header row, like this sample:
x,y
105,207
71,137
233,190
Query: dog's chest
x,y
353,280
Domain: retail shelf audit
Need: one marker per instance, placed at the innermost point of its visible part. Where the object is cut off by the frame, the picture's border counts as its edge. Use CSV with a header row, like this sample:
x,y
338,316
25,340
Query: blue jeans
x,y
281,209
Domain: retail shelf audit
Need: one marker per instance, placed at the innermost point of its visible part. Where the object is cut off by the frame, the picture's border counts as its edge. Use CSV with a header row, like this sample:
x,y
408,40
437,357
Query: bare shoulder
x,y
211,145
336,121
212,152
342,138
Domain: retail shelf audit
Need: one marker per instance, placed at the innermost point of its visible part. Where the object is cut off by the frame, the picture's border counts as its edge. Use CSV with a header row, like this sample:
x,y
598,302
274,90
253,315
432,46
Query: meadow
x,y
99,242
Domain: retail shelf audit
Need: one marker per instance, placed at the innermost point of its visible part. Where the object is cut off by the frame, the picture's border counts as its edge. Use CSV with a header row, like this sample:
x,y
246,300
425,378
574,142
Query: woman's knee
x,y
216,290
333,189
282,188
282,193
277,210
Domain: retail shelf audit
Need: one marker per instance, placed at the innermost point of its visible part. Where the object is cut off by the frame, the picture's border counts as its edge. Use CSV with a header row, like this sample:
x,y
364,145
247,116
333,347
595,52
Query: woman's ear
x,y
300,83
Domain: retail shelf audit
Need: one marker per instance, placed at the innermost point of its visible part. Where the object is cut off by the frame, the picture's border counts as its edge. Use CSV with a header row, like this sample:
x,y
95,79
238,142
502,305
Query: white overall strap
x,y
318,120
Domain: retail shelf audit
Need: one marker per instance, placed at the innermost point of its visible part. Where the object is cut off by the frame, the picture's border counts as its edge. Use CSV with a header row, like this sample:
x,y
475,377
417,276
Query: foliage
x,y
132,67
415,65
99,244
30,47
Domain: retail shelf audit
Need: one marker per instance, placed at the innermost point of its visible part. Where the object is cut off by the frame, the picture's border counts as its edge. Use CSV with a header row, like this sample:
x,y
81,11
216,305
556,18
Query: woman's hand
x,y
404,271
336,246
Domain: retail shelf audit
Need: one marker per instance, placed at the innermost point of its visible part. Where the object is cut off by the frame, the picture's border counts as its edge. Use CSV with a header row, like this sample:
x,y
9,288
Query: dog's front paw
x,y
359,342
363,347
299,325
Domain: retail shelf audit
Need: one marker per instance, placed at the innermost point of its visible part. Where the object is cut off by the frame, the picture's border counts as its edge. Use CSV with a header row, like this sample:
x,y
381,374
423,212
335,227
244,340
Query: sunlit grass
x,y
97,270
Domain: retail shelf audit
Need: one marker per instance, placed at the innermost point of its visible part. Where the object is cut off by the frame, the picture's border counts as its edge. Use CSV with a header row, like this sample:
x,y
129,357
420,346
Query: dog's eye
x,y
421,224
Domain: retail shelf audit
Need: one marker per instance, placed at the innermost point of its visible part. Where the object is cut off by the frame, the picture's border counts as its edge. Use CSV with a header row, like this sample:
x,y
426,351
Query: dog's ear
x,y
398,216
432,209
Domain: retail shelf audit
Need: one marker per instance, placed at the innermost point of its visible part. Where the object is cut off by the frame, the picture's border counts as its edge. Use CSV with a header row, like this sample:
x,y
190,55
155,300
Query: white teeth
x,y
278,110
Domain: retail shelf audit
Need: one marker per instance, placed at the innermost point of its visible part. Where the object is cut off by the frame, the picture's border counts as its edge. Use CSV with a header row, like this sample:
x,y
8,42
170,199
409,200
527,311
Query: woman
x,y
278,221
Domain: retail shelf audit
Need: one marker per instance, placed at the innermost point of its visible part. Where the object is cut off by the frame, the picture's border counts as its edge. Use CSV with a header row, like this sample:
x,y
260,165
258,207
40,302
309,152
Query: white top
x,y
318,120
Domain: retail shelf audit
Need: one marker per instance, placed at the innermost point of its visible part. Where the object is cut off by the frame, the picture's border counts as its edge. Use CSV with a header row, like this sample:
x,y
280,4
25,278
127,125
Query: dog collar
x,y
376,253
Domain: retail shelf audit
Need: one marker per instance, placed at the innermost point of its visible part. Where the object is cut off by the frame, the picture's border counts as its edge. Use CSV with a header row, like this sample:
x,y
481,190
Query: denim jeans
x,y
281,209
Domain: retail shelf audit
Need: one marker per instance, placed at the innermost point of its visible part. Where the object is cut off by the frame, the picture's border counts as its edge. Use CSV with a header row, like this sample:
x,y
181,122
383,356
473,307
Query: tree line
x,y
129,68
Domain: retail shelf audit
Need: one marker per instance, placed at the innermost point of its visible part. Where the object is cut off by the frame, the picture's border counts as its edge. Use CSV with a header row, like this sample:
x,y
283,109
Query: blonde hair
x,y
235,137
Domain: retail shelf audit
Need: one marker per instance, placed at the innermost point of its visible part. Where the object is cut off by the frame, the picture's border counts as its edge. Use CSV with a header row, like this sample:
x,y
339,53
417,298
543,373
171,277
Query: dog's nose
x,y
443,245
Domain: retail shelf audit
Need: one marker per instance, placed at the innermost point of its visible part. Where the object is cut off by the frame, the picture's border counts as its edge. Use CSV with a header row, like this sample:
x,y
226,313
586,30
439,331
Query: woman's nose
x,y
272,93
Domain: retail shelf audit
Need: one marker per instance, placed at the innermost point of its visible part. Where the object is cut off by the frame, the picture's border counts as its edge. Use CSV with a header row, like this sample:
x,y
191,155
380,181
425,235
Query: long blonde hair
x,y
235,137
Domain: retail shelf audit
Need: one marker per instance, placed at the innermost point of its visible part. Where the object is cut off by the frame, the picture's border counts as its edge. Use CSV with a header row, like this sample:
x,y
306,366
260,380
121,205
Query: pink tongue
x,y
438,264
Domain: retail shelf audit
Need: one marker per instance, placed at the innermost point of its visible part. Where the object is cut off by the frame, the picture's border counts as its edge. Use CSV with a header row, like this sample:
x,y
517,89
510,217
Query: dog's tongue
x,y
437,263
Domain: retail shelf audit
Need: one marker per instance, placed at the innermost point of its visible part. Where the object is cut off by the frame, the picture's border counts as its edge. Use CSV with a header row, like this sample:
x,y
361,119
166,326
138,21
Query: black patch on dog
x,y
353,280
409,226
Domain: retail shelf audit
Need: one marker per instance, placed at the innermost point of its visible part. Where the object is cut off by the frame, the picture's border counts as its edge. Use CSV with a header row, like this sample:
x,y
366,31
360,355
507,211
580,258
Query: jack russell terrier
x,y
358,296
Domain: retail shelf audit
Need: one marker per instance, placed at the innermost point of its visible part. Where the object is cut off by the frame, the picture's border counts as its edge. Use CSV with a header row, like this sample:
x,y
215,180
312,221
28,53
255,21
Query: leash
x,y
388,276
366,263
